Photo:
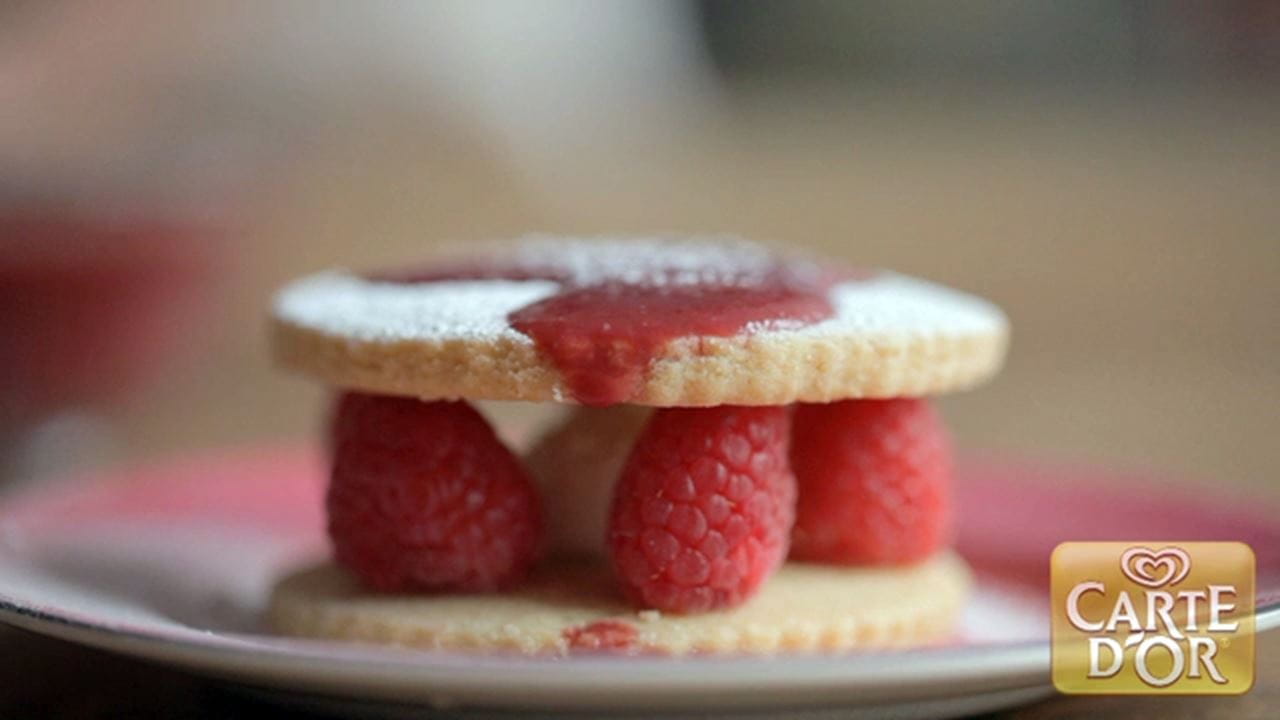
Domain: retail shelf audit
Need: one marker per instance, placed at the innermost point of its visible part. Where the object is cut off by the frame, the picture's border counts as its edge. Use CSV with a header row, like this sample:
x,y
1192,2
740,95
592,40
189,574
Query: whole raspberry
x,y
874,481
702,512
424,496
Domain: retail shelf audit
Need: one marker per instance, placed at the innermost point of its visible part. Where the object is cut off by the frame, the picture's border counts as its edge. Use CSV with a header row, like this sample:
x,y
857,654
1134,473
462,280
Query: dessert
x,y
748,462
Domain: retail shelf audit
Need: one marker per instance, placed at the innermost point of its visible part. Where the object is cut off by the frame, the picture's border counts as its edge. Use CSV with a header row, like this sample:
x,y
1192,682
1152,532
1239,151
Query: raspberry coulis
x,y
607,635
613,314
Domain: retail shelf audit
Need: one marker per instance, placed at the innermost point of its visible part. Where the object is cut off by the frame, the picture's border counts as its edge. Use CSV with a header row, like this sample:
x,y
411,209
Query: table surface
x,y
40,677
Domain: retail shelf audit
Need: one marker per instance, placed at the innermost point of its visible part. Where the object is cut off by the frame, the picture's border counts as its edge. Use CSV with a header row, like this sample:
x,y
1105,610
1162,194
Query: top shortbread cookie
x,y
645,321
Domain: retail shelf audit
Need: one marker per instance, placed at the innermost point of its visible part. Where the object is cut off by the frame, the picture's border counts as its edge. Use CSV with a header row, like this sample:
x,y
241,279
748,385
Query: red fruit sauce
x,y
602,636
611,317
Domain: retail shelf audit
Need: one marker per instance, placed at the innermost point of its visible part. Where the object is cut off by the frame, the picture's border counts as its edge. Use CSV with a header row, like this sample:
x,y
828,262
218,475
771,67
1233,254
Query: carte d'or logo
x,y
1155,569
1153,617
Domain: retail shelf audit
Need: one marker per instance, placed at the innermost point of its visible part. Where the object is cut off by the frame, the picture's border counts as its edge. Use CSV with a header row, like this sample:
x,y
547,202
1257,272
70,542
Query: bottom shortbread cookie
x,y
570,606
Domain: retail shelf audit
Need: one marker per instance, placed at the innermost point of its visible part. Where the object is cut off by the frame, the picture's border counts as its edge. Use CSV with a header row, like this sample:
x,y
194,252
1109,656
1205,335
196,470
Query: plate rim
x,y
458,678
442,678
337,668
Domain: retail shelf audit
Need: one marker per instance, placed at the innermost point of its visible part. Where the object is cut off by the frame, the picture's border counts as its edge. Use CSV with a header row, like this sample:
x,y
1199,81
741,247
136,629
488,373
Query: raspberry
x,y
874,482
424,496
702,512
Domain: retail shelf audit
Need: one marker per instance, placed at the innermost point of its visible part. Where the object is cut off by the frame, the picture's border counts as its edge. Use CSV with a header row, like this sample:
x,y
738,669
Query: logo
x,y
1153,617
1137,564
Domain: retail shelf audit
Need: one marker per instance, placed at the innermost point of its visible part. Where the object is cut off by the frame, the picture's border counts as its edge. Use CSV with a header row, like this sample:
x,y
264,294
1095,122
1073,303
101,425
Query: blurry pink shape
x,y
1013,513
90,304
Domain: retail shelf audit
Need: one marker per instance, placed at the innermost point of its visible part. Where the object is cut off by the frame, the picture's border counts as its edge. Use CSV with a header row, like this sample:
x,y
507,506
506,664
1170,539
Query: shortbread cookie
x,y
451,332
570,606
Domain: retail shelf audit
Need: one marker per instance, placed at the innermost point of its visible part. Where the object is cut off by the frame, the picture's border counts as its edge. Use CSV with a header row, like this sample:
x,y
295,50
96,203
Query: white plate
x,y
175,563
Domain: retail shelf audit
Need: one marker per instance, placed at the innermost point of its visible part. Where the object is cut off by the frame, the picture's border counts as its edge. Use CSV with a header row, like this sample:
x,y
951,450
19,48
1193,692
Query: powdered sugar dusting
x,y
885,304
344,304
650,261
898,305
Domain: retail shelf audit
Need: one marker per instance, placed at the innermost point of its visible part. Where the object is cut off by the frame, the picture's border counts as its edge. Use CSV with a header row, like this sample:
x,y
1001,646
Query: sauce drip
x,y
602,636
616,311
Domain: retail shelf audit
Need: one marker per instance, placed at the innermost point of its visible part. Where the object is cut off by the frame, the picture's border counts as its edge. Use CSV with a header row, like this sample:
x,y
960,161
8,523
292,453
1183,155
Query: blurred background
x,y
1108,172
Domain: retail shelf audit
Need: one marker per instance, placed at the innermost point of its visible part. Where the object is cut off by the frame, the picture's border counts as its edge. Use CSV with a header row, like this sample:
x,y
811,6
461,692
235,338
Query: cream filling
x,y
575,466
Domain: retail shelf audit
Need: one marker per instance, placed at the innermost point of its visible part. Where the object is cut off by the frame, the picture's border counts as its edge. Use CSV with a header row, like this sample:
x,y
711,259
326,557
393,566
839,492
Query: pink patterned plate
x,y
174,564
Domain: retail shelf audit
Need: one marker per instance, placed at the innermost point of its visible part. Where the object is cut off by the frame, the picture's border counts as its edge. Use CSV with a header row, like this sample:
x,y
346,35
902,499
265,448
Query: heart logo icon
x,y
1155,568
